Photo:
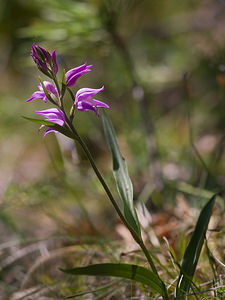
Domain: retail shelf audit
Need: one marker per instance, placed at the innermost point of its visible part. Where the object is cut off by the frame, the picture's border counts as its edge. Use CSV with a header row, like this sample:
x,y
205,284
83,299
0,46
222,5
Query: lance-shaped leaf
x,y
63,89
193,250
128,271
62,129
120,171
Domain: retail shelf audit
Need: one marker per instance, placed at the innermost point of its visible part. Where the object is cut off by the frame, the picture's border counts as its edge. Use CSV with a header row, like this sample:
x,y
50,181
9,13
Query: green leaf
x,y
63,83
128,271
64,130
120,171
193,250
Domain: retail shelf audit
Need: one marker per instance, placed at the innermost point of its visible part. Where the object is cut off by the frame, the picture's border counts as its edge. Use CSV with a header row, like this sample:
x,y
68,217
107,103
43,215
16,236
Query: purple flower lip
x,y
43,59
54,115
41,94
84,100
73,74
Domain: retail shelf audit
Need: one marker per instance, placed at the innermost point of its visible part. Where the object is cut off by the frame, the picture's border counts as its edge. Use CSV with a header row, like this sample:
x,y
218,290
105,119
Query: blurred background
x,y
163,67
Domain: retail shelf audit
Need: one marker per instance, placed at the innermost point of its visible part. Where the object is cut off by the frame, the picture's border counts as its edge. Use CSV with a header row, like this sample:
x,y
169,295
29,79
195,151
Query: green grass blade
x,y
98,289
193,250
64,130
128,271
120,171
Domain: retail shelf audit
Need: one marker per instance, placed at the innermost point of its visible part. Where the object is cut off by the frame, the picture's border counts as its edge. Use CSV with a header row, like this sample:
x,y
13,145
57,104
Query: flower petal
x,y
87,93
100,103
76,70
54,115
40,64
73,79
45,53
56,120
48,130
73,74
82,106
49,87
37,95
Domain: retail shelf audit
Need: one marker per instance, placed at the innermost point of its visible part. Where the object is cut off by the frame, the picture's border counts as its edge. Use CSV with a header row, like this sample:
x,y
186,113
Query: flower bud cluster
x,y
45,61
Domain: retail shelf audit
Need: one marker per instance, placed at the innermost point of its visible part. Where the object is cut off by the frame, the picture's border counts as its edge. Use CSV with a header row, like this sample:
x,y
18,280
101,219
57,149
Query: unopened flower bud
x,y
44,60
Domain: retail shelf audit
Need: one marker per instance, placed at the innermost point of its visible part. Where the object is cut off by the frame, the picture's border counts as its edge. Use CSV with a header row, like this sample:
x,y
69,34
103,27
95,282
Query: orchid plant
x,y
57,120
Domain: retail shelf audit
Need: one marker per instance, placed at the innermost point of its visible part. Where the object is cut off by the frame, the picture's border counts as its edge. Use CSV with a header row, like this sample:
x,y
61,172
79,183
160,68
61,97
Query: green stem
x,y
115,205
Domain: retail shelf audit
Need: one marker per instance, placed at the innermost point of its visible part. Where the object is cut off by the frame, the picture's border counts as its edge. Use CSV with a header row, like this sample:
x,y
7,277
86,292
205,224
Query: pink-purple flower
x,y
43,59
41,94
73,74
54,115
84,100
